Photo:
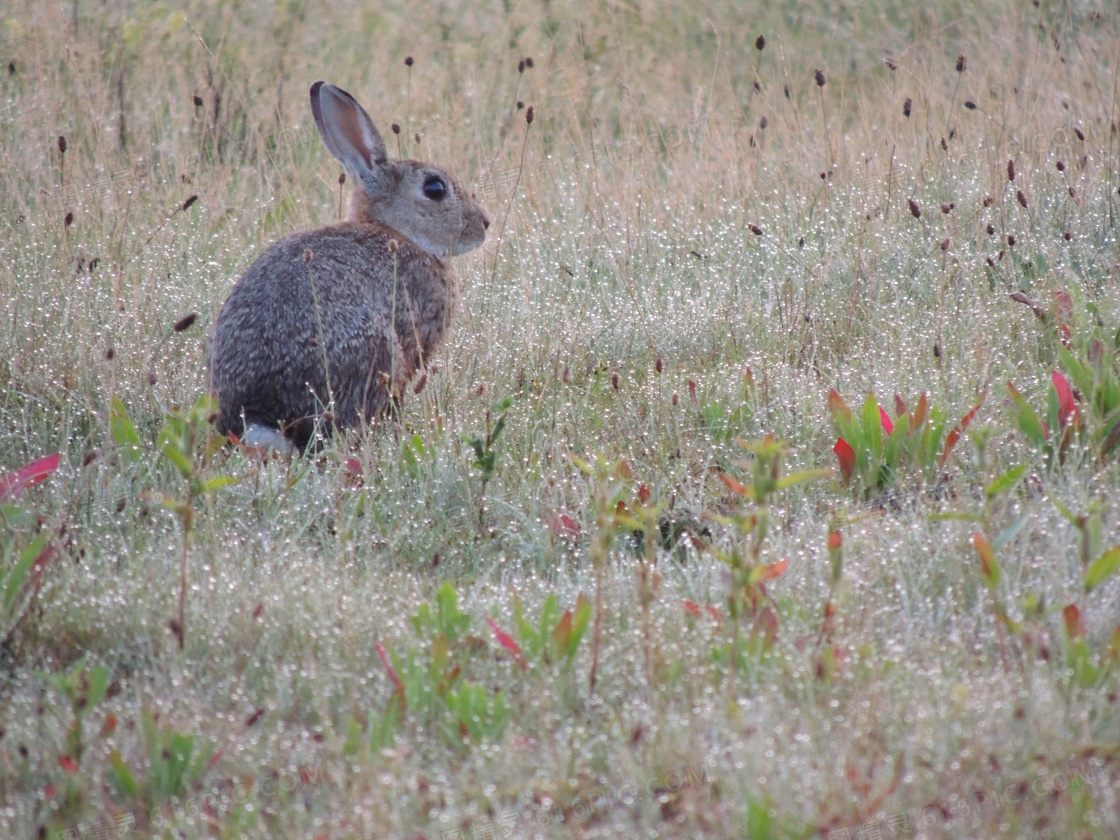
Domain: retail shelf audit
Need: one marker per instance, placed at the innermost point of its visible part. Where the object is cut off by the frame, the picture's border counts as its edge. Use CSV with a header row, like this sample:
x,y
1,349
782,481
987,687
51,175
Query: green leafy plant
x,y
174,764
23,556
749,519
619,510
486,455
84,689
554,638
431,684
873,449
189,444
725,421
1086,406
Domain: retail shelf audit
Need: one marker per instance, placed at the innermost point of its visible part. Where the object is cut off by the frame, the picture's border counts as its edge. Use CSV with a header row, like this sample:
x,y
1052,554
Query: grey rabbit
x,y
329,326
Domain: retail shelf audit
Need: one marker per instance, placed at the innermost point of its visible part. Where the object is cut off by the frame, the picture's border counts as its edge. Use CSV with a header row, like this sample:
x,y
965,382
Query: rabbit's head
x,y
418,200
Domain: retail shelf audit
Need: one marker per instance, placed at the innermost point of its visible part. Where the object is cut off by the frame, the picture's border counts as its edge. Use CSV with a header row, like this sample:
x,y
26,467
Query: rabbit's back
x,y
324,301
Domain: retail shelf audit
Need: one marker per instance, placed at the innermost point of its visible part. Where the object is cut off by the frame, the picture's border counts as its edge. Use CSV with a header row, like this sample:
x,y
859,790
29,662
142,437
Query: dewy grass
x,y
698,247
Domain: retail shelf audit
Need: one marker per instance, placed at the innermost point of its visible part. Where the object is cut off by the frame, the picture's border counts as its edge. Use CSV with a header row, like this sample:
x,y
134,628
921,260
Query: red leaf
x,y
771,572
40,564
692,392
958,430
836,404
733,485
67,764
398,685
1067,408
847,458
644,494
1075,627
354,467
899,406
508,643
48,791
12,484
1063,313
835,540
766,626
698,611
921,412
885,419
214,759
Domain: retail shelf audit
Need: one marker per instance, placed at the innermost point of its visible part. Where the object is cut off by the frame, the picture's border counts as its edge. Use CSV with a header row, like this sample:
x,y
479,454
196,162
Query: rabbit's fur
x,y
367,300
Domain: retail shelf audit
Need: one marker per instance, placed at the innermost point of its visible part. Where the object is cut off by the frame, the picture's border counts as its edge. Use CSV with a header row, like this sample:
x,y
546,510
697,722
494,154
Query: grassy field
x,y
573,589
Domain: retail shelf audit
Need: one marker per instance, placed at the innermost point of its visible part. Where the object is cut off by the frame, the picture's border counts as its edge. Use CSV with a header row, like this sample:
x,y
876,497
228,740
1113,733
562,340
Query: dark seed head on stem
x,y
906,106
396,128
1011,170
760,43
1022,197
186,322
190,200
408,61
915,210
529,114
69,220
970,105
62,144
818,76
962,63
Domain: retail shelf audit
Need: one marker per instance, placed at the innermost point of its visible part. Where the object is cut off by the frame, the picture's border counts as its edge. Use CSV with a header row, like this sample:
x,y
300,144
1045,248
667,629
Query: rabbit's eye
x,y
434,188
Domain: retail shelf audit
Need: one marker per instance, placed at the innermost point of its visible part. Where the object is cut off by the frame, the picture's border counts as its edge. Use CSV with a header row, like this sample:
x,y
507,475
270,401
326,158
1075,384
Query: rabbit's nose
x,y
485,224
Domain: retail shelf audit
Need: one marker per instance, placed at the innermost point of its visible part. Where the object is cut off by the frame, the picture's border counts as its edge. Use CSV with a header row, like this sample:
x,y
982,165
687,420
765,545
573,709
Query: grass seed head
x,y
962,63
760,43
818,75
529,114
69,220
915,210
1011,170
970,105
186,322
763,122
906,107
1022,197
408,61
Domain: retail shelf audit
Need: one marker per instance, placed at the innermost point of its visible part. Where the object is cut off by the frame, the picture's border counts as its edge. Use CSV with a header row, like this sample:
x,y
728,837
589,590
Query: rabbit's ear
x,y
347,130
